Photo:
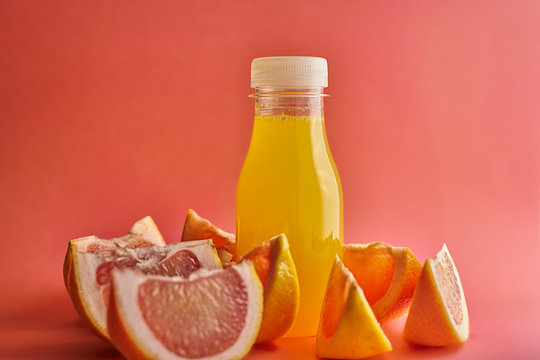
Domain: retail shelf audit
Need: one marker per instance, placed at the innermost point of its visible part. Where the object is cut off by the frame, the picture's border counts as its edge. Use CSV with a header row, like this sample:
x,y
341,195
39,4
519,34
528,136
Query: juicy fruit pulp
x,y
348,328
289,185
143,233
372,266
387,275
213,314
199,228
175,328
438,314
91,280
451,293
180,263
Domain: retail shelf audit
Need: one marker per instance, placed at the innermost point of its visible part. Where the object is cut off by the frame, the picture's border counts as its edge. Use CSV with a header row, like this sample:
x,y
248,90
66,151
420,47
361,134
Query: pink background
x,y
111,111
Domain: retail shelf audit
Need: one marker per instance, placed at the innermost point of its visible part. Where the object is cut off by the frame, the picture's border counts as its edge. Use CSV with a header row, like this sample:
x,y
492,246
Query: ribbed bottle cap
x,y
289,71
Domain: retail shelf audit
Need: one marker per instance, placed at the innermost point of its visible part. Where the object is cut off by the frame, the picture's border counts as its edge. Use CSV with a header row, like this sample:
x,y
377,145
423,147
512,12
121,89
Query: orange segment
x,y
438,315
348,328
90,282
144,232
372,266
275,267
199,228
261,256
211,315
387,274
337,294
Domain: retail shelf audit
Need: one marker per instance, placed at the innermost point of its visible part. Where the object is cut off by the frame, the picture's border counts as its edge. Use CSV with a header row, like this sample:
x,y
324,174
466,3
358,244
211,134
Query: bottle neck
x,y
272,101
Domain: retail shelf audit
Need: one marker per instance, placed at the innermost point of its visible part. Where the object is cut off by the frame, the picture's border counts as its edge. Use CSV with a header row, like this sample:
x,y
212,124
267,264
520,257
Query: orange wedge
x,y
90,282
143,233
211,315
438,314
387,274
199,228
348,328
275,267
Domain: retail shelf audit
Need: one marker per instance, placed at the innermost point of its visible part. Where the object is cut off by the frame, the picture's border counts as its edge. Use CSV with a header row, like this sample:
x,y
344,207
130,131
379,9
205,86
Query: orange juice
x,y
289,184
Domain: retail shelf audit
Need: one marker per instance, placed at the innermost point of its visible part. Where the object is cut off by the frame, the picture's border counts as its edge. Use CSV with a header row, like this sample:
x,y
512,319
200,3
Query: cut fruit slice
x,y
387,274
348,328
438,314
91,279
142,234
199,228
275,267
212,315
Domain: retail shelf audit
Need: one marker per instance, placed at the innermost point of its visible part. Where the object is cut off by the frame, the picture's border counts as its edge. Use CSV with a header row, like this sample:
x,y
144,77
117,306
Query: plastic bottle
x,y
289,182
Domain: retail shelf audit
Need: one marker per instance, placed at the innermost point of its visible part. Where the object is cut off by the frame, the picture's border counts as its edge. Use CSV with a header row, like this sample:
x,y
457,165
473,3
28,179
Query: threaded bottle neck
x,y
271,101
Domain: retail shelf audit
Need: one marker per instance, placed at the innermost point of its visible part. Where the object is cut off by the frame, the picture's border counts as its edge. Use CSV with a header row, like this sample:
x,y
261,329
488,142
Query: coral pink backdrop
x,y
111,111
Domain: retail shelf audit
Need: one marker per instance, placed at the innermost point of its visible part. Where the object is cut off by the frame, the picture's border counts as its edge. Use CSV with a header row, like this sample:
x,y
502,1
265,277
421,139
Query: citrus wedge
x,y
387,275
438,314
143,233
348,328
199,228
275,267
90,281
211,315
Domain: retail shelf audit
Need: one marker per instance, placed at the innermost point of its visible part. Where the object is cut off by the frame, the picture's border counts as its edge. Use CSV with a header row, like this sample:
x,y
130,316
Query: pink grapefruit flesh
x,y
91,283
211,315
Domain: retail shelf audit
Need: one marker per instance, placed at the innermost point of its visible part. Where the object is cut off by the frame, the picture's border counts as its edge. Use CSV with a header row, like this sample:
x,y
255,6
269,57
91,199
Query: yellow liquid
x,y
289,184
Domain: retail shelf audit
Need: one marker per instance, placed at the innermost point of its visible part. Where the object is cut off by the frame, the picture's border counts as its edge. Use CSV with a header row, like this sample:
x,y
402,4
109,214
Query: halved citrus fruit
x,y
275,267
211,315
199,228
438,314
348,328
143,233
386,274
90,281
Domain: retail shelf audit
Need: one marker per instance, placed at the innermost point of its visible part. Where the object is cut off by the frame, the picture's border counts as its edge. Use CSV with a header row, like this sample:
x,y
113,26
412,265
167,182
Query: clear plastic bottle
x,y
289,182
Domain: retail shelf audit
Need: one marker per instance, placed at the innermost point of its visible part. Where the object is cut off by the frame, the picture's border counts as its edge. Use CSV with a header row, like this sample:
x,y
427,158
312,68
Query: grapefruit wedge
x,y
348,328
199,228
275,267
211,315
387,275
143,233
90,281
438,314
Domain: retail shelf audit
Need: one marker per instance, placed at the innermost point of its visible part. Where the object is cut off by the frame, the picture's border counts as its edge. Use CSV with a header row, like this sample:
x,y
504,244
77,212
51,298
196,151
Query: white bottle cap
x,y
289,71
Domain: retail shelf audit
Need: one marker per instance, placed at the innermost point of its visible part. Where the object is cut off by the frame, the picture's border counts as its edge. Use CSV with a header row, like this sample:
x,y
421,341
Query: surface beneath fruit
x,y
42,324
209,327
